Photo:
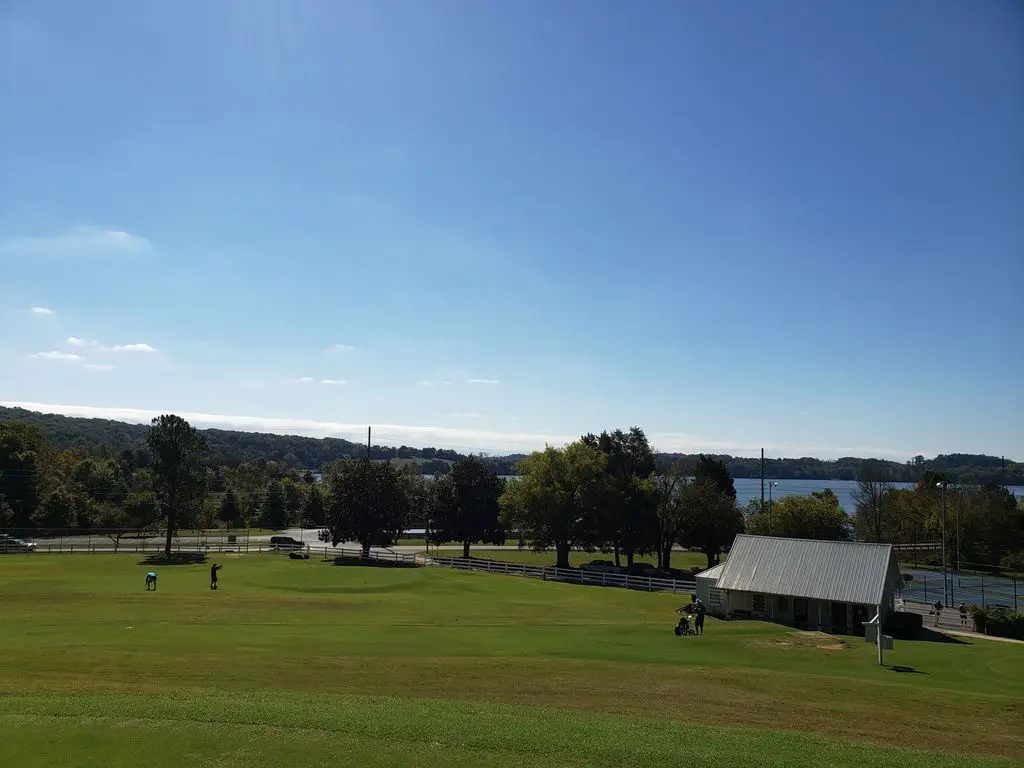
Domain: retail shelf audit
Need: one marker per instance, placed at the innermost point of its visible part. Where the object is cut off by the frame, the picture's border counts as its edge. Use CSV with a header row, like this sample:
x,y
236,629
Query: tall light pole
x,y
959,495
942,523
771,484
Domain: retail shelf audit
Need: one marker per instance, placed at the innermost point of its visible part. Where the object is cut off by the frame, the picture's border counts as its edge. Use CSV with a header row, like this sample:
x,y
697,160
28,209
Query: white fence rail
x,y
568,575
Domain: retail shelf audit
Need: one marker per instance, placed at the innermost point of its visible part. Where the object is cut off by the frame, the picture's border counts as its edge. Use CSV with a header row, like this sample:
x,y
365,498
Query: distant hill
x,y
230,448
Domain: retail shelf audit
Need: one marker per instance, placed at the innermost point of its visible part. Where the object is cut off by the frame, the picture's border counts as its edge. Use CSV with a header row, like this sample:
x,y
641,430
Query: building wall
x,y
819,613
714,599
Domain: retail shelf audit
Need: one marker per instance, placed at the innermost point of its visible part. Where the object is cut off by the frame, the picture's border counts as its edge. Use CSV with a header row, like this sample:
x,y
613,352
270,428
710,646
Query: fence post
x,y
982,589
1015,590
925,582
88,542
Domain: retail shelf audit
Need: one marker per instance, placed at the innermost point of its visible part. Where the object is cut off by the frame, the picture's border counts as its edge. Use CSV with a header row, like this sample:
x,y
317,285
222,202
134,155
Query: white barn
x,y
832,586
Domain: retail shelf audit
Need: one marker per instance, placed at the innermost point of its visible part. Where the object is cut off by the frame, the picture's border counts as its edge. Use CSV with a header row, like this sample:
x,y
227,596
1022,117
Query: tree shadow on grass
x,y
904,668
371,562
175,558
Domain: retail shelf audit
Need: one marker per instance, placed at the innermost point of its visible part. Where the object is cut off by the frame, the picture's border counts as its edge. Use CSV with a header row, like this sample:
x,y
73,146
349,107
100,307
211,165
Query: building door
x,y
860,615
800,613
839,618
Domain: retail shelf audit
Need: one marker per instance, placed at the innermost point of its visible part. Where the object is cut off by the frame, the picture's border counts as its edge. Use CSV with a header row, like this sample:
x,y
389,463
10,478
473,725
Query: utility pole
x,y
762,479
369,431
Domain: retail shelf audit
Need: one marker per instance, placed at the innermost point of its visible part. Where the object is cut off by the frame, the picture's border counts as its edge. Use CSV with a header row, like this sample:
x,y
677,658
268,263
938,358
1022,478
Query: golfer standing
x,y
213,575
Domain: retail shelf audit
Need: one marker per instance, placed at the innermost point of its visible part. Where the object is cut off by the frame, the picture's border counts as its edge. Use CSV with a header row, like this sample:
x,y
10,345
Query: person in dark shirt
x,y
213,575
699,609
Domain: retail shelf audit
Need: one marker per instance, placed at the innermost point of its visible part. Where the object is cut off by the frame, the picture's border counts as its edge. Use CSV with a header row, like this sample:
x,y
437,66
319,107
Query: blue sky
x,y
792,225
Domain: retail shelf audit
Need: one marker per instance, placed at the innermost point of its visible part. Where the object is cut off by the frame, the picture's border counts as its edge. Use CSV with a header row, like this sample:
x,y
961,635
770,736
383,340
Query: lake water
x,y
748,488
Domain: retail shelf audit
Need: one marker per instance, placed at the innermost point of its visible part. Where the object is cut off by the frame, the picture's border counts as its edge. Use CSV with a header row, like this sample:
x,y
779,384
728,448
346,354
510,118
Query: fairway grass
x,y
304,663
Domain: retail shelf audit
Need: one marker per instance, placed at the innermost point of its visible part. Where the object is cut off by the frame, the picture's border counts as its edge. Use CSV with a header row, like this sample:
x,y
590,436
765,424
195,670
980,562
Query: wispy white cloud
x,y
304,380
42,311
334,382
341,348
426,383
90,241
461,438
140,347
482,381
147,348
99,366
56,355
467,415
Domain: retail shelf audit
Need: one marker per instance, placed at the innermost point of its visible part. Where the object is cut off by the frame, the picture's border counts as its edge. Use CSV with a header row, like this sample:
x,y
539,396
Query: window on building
x,y
783,604
760,604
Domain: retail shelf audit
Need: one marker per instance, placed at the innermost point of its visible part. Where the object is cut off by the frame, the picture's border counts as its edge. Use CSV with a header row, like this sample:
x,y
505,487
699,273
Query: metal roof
x,y
711,573
839,571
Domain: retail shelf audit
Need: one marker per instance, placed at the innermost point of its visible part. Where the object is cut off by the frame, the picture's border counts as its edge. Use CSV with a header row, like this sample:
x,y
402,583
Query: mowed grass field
x,y
303,663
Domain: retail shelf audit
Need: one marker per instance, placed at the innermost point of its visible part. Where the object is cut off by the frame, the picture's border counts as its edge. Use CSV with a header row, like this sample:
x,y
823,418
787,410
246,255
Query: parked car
x,y
10,545
285,544
606,566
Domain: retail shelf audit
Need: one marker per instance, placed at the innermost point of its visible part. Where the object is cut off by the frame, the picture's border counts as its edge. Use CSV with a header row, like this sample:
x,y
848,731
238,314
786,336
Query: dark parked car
x,y
10,545
285,544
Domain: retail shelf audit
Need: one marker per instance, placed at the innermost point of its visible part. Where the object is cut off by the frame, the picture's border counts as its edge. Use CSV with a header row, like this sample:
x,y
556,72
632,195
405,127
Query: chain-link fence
x,y
13,541
1004,590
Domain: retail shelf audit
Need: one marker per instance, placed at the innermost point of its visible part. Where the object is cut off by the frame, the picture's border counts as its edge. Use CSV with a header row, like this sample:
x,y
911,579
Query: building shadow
x,y
175,558
369,562
930,635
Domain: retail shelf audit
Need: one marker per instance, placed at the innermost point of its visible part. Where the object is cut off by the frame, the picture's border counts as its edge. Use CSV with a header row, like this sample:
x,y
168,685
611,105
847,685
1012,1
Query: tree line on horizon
x,y
602,493
108,439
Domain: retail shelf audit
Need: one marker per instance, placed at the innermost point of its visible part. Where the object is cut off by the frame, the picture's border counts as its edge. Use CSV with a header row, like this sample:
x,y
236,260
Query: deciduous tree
x,y
178,472
366,503
669,491
626,520
554,501
274,514
713,471
293,497
818,516
710,520
464,505
314,509
20,476
229,511
873,521
59,510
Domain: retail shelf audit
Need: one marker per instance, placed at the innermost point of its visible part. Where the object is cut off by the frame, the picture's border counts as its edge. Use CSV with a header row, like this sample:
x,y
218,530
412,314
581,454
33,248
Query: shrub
x,y
979,618
1000,622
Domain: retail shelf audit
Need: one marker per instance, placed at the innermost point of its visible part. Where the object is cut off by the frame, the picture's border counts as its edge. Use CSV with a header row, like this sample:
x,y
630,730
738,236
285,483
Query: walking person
x,y
937,610
213,575
963,614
